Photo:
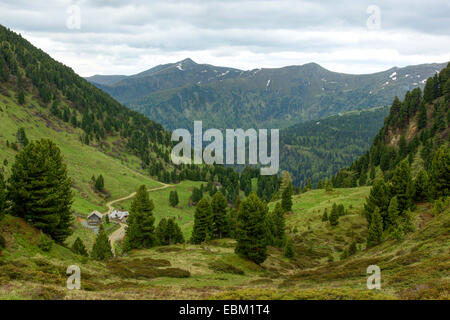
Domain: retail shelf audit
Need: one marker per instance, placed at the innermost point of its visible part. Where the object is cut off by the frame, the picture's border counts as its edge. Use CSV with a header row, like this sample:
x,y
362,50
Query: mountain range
x,y
176,94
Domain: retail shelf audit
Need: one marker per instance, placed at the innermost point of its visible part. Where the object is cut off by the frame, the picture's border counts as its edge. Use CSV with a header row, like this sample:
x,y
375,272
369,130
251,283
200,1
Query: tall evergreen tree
x,y
219,212
22,137
378,198
79,248
102,247
402,186
173,198
375,229
334,215
421,186
140,232
99,183
440,173
286,198
422,116
251,229
392,214
40,189
276,224
202,222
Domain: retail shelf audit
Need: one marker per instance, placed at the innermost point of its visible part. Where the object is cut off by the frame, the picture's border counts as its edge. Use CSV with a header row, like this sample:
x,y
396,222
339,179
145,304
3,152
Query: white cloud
x,y
126,37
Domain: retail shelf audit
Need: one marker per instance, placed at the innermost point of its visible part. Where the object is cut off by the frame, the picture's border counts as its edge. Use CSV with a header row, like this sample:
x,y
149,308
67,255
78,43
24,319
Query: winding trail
x,y
119,234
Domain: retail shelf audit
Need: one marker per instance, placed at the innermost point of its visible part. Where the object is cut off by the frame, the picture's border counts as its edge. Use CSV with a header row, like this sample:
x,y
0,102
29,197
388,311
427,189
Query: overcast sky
x,y
126,37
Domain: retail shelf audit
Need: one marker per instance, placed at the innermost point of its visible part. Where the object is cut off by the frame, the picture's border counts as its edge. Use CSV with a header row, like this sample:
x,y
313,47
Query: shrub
x,y
220,266
45,244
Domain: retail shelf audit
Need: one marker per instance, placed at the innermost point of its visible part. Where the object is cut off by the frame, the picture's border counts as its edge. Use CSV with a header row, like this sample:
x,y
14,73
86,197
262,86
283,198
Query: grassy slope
x,y
415,267
121,175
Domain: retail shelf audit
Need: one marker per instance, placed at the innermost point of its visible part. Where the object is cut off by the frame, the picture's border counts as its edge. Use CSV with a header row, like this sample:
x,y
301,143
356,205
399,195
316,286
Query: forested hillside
x,y
176,94
318,149
414,130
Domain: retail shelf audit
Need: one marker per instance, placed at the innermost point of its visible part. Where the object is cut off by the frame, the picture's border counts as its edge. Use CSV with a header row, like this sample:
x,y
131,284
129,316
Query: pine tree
x,y
251,229
21,97
79,248
392,215
99,183
328,185
219,212
375,229
286,198
289,251
325,215
202,222
334,215
102,247
22,137
440,173
421,186
40,189
173,198
402,186
422,116
161,232
276,224
378,198
309,184
140,232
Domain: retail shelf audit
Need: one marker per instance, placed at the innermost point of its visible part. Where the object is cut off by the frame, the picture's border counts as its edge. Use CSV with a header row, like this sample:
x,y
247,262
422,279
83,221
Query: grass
x,y
414,267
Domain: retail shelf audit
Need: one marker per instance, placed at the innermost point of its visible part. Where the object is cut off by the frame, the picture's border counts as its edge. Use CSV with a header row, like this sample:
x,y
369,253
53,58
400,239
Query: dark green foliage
x,y
440,173
99,183
289,250
102,247
402,186
220,266
352,249
421,186
334,215
173,198
375,229
40,189
422,116
219,211
324,147
140,232
202,222
79,248
45,243
168,232
197,195
378,199
325,215
276,224
21,97
286,197
251,229
393,215
22,137
267,187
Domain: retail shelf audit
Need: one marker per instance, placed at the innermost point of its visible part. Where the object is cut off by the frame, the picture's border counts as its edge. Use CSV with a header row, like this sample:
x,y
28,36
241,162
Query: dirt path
x,y
119,234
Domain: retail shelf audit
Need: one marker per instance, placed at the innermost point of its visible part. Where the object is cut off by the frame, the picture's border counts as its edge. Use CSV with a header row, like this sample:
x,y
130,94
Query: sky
x,y
127,37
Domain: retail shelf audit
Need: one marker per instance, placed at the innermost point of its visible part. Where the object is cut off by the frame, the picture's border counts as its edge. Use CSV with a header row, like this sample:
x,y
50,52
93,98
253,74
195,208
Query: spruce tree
x,y
79,248
99,183
161,232
289,251
22,137
102,247
378,198
251,229
402,186
375,229
140,232
421,186
422,116
325,215
392,215
219,212
334,215
440,173
40,189
286,198
173,198
202,222
276,224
